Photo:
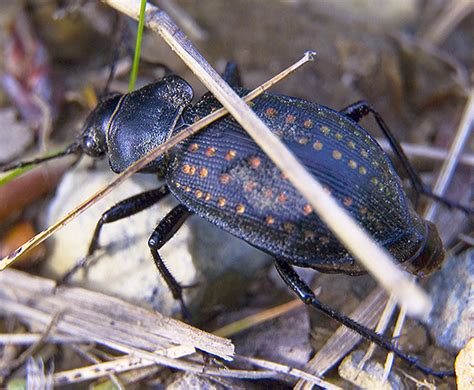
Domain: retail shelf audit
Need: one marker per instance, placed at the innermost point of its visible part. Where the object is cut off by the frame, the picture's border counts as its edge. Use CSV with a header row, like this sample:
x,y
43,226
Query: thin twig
x,y
256,319
187,23
31,338
462,135
88,356
450,17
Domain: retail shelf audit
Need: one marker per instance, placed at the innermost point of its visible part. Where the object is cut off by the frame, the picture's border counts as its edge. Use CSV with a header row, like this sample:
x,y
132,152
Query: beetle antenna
x,y
71,149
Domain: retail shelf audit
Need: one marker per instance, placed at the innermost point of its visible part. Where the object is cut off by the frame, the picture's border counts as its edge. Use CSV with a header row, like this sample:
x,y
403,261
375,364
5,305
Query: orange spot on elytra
x,y
198,193
270,112
203,172
268,192
224,178
230,155
336,154
307,209
308,123
347,201
193,147
303,140
255,162
249,186
210,151
186,168
282,197
221,202
324,240
290,118
240,208
208,197
318,145
270,220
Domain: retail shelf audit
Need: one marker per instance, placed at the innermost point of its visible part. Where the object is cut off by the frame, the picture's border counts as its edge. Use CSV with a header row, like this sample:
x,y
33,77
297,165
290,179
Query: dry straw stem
x,y
256,319
148,337
454,155
375,259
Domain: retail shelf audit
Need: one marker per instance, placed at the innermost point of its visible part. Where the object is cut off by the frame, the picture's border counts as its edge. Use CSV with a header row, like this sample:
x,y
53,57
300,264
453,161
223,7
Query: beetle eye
x,y
91,147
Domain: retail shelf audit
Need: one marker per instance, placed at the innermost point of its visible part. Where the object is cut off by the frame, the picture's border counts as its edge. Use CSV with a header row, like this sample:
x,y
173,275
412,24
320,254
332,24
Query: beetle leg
x,y
123,209
166,229
292,279
231,75
359,110
127,208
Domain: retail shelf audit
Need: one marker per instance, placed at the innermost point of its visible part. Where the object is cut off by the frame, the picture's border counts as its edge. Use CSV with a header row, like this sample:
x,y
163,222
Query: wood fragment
x,y
102,319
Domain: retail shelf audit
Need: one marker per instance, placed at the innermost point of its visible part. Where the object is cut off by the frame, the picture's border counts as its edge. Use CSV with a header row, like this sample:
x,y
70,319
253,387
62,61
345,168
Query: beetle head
x,y
93,138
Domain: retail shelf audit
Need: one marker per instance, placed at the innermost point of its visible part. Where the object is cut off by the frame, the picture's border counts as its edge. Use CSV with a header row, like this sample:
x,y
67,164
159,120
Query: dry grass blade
x,y
102,319
255,319
374,258
287,370
95,371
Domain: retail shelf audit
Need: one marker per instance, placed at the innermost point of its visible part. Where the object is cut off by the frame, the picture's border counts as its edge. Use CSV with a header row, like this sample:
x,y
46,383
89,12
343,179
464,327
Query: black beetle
x,y
221,175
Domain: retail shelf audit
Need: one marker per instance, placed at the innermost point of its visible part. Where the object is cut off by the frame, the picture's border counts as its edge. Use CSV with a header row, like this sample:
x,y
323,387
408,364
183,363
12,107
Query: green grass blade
x,y
138,47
